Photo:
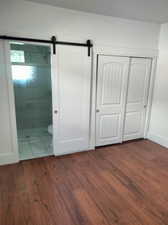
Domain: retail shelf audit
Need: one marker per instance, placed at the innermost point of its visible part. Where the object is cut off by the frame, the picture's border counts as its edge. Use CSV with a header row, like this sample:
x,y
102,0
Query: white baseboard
x,y
158,139
72,152
8,159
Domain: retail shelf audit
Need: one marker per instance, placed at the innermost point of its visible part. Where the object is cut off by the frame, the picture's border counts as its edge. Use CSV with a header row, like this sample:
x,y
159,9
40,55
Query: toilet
x,y
50,129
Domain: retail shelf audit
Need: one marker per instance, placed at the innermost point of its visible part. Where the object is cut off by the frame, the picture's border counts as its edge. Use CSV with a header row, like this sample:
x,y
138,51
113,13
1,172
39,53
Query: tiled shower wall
x,y
33,97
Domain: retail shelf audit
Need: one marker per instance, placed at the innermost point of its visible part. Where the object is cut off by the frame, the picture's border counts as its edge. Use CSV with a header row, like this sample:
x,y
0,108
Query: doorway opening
x,y
31,75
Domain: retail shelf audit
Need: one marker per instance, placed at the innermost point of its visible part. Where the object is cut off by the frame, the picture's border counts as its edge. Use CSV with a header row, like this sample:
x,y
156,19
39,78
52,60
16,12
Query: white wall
x,y
18,17
158,130
38,20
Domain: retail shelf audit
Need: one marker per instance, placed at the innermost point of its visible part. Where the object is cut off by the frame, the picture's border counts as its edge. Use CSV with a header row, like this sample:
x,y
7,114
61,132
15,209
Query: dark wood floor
x,y
118,185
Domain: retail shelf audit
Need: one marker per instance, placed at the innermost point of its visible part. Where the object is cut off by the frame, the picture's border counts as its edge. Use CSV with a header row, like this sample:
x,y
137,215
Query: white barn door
x,y
111,99
71,99
137,97
8,139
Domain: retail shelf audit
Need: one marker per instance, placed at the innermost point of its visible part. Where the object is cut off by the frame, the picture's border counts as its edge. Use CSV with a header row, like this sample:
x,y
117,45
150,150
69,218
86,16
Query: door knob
x,y
97,110
55,111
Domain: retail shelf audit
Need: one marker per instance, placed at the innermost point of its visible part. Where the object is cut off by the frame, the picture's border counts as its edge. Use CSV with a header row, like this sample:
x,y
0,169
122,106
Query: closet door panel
x,y
109,125
72,100
133,122
137,98
111,95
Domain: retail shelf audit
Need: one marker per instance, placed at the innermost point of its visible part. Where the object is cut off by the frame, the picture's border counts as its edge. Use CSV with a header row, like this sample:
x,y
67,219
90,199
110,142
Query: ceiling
x,y
144,10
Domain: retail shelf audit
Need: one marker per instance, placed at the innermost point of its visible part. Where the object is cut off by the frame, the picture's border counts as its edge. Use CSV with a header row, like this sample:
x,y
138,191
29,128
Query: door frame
x,y
12,95
125,52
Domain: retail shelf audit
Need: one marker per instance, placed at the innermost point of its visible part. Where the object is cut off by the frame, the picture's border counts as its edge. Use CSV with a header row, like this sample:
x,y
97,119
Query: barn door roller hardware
x,y
53,41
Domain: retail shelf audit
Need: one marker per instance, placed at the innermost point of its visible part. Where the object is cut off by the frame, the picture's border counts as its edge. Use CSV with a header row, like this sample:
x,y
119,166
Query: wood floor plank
x,y
123,184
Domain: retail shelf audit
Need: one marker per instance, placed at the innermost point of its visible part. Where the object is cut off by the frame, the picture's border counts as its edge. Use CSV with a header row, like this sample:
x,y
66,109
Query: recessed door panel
x,y
111,96
137,79
137,98
109,126
112,83
133,122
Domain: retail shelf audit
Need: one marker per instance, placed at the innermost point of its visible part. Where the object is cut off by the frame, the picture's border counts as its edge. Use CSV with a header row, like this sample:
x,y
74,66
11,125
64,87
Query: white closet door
x,y
137,97
71,98
111,99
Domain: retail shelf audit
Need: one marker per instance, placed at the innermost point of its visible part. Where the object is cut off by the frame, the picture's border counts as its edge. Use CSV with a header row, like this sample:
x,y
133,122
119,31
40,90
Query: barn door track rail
x,y
52,41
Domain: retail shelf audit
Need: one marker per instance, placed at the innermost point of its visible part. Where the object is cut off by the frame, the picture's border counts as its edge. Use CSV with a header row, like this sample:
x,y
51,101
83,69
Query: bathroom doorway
x,y
31,75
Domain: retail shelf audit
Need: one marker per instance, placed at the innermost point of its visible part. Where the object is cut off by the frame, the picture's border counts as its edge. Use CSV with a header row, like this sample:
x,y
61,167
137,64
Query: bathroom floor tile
x,y
25,150
34,143
37,147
